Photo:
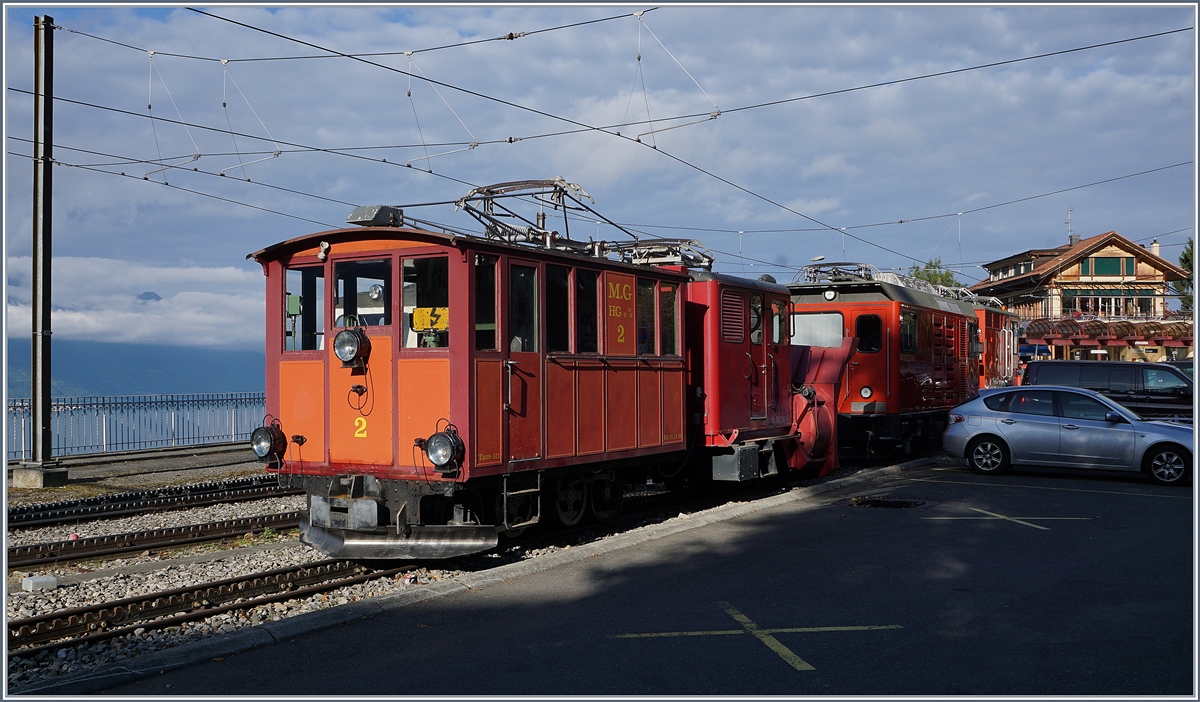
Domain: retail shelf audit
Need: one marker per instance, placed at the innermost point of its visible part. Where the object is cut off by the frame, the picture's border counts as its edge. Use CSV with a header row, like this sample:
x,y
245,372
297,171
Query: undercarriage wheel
x,y
1167,464
988,455
570,499
607,492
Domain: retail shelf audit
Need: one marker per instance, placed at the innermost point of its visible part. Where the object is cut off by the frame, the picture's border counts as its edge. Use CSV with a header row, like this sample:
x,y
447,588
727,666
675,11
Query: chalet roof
x,y
1071,254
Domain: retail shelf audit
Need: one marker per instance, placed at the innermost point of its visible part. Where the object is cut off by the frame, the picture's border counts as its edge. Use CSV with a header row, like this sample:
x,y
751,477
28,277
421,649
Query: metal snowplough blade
x,y
422,542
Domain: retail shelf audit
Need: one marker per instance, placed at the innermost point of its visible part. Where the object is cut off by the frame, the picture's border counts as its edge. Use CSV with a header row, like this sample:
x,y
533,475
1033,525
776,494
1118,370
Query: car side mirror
x,y
1113,417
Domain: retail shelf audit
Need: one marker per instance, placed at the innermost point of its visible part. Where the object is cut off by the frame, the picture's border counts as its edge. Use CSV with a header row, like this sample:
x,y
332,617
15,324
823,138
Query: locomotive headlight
x,y
830,294
865,392
444,449
375,292
268,441
352,347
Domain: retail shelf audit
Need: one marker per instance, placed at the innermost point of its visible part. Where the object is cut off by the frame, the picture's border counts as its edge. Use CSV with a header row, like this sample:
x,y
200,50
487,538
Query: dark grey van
x,y
1153,390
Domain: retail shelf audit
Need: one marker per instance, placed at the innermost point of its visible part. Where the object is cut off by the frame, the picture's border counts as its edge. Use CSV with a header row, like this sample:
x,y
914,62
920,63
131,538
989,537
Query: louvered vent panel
x,y
733,316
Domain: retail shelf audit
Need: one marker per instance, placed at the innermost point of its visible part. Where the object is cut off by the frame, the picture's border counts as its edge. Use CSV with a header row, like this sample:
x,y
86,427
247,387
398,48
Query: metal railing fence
x,y
83,425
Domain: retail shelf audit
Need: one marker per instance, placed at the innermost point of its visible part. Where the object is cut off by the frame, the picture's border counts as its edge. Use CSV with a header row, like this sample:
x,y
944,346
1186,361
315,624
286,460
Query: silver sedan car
x,y
1065,427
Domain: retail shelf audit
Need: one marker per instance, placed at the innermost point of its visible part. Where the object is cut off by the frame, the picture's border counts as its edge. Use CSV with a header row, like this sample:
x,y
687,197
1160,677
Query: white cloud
x,y
98,299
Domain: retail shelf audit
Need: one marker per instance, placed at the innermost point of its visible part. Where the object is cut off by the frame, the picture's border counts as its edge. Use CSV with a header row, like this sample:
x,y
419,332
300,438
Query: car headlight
x,y
444,449
865,392
352,347
268,441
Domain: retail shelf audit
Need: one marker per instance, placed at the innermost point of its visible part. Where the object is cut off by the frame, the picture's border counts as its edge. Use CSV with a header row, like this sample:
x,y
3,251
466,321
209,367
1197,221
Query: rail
x,y
89,425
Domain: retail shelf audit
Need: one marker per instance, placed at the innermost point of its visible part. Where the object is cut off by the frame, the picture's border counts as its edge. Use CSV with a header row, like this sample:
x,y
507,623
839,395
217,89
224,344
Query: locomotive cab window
x,y
485,302
756,319
646,345
822,329
779,320
522,309
869,330
668,318
558,309
908,332
587,320
426,302
362,293
304,309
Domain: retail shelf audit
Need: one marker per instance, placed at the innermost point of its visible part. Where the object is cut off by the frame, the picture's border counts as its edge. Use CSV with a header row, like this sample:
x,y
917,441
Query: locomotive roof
x,y
735,280
289,247
871,290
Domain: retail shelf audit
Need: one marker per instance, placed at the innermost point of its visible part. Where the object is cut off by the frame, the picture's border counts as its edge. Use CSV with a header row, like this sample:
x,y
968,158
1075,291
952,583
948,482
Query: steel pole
x,y
43,138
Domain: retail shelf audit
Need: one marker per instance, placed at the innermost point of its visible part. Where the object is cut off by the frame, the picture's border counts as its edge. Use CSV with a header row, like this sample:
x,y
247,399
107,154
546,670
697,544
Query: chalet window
x,y
485,302
587,323
304,309
1130,266
1085,266
1106,265
558,309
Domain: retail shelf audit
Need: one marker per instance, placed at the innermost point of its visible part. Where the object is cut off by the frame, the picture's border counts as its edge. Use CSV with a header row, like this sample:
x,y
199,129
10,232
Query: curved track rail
x,y
99,546
163,609
129,503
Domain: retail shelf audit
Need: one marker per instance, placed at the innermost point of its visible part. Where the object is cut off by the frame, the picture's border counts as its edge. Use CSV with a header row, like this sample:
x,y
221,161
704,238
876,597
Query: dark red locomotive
x,y
919,349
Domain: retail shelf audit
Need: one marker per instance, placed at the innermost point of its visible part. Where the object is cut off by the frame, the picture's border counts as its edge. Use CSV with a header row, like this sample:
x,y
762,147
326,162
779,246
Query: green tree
x,y
932,272
1183,288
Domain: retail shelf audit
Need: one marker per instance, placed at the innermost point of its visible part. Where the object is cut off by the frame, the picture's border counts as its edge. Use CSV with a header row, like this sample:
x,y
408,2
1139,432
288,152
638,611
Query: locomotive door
x,y
522,364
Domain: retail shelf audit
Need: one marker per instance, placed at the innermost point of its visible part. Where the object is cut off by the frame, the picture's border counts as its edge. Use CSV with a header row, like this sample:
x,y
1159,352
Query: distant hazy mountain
x,y
96,368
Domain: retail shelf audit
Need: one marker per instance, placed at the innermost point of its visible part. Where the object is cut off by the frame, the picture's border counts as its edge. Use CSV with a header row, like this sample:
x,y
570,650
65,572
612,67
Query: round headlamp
x,y
268,441
830,294
444,449
375,292
865,392
351,346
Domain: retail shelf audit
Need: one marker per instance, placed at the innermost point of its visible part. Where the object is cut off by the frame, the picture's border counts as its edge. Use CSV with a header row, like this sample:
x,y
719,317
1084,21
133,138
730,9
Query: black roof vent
x,y
376,216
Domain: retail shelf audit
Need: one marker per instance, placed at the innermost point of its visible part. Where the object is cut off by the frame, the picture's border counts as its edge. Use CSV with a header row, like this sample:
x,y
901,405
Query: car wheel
x,y
1167,464
987,455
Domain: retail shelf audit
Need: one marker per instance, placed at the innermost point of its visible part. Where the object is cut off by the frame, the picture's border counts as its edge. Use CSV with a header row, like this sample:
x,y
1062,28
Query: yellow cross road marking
x,y
1018,520
761,633
772,643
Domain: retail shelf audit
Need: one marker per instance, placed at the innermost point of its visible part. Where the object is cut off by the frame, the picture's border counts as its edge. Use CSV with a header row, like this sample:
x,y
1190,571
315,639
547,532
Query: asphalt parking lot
x,y
1027,583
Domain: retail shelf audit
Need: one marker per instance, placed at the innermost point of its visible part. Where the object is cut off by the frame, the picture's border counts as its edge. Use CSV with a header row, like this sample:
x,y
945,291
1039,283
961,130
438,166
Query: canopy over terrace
x,y
1096,332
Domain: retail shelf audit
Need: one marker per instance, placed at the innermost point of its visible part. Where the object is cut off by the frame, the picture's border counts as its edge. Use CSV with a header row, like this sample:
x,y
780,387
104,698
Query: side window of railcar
x,y
587,321
304,309
485,302
779,320
869,330
558,309
668,317
362,293
646,345
974,343
908,332
822,329
522,309
426,302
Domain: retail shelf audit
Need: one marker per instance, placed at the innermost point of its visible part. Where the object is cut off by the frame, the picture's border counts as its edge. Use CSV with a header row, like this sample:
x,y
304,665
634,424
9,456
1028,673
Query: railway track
x,y
159,610
100,546
162,499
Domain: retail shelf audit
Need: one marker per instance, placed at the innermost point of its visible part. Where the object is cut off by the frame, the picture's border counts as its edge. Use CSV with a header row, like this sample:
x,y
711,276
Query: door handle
x,y
1069,426
508,367
750,375
1008,421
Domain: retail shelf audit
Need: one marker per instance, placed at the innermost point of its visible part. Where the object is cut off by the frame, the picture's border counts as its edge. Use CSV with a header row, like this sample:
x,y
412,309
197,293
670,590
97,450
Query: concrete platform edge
x,y
274,632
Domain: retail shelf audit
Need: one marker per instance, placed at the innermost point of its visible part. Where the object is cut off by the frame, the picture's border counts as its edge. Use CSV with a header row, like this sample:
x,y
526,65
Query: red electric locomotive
x,y
432,390
919,351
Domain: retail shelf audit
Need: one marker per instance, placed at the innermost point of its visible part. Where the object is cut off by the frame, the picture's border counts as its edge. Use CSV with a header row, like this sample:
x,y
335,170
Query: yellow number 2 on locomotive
x,y
360,427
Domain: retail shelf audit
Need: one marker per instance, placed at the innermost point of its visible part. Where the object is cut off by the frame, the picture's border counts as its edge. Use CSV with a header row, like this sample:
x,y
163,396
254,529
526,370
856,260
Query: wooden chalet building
x,y
1103,297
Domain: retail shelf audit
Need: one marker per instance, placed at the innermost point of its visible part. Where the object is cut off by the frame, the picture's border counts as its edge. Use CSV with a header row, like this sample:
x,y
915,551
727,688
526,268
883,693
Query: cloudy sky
x,y
806,142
